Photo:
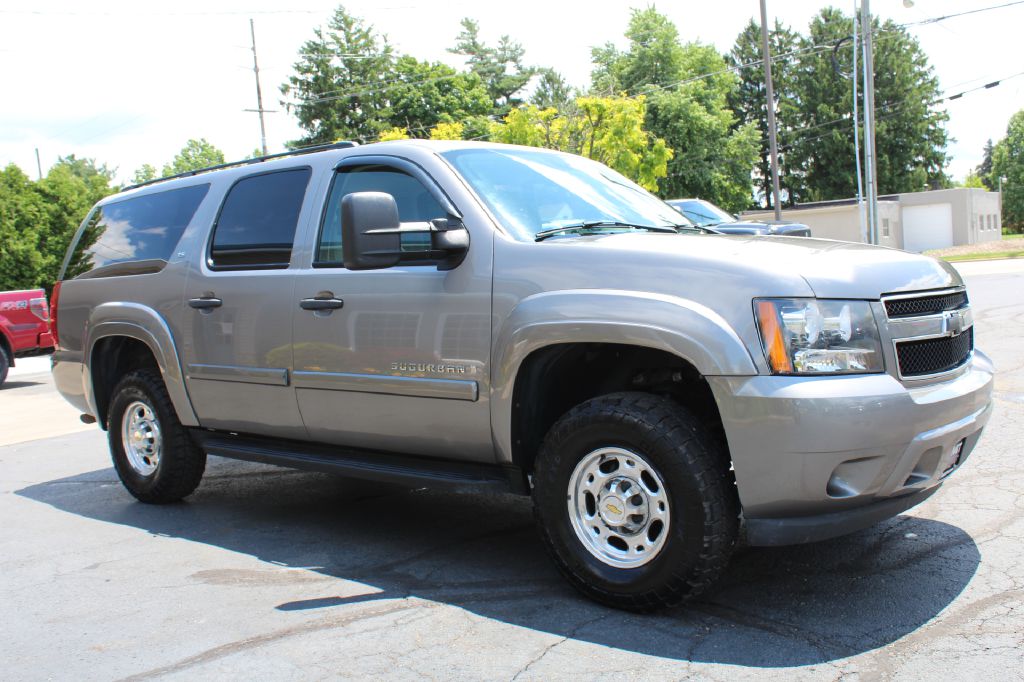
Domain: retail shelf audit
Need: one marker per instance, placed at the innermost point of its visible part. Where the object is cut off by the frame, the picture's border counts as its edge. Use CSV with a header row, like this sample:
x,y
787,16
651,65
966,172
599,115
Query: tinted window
x,y
145,228
415,204
256,226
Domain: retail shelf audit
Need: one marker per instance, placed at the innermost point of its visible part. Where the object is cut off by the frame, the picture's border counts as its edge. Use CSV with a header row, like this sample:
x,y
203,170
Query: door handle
x,y
321,303
205,302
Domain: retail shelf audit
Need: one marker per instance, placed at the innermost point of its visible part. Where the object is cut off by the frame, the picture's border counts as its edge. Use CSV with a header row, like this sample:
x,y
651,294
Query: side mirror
x,y
450,238
371,234
370,231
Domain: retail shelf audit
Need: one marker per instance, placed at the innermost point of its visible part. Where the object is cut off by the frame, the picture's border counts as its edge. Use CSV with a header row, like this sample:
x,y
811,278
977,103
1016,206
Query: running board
x,y
420,472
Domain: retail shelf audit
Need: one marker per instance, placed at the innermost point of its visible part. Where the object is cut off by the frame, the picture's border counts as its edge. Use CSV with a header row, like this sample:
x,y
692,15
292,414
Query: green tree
x,y
22,213
552,91
749,102
69,191
606,129
972,180
500,68
350,85
984,169
194,155
425,94
340,80
1008,162
687,88
145,173
447,131
393,134
910,133
38,219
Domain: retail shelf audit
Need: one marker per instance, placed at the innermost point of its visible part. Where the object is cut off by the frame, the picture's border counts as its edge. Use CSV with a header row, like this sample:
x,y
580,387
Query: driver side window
x,y
415,204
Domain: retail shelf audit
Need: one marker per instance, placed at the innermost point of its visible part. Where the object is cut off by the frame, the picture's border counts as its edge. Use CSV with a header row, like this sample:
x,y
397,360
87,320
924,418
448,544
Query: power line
x,y
646,89
903,105
935,20
894,109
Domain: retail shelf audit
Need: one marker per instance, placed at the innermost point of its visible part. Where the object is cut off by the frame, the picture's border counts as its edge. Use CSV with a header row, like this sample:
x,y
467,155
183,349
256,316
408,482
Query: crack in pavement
x,y
270,637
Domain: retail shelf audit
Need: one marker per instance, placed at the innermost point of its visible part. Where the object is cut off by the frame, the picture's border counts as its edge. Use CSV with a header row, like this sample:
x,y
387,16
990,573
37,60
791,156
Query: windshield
x,y
701,212
532,191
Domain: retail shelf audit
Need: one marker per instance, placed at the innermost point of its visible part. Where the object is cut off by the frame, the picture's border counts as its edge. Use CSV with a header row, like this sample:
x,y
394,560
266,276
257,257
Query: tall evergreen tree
x,y
910,133
338,88
749,102
984,169
552,91
500,68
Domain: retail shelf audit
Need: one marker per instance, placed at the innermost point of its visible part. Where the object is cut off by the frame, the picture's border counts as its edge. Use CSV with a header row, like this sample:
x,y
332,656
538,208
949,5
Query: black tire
x,y
688,458
181,463
5,364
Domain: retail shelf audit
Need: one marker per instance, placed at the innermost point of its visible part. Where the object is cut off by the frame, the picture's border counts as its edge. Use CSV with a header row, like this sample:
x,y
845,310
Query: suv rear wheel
x,y
153,453
634,501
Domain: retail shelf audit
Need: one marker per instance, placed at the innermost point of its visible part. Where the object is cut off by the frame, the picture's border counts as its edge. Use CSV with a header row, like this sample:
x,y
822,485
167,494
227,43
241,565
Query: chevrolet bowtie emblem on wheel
x,y
955,322
613,509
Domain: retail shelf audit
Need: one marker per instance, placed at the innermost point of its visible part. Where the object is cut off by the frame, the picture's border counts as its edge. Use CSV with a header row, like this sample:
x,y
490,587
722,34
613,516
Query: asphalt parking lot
x,y
274,574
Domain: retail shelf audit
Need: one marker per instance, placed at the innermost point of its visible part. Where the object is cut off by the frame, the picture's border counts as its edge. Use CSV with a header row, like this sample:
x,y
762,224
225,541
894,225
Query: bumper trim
x,y
798,530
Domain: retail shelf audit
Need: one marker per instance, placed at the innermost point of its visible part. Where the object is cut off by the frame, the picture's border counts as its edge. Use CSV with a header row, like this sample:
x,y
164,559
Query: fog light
x,y
953,459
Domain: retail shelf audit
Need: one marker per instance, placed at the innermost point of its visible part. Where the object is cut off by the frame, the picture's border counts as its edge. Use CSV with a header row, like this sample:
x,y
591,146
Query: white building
x,y
913,221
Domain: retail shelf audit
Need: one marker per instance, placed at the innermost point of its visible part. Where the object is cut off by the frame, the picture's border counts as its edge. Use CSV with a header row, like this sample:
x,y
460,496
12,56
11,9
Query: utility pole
x,y
870,165
259,94
770,95
856,137
39,167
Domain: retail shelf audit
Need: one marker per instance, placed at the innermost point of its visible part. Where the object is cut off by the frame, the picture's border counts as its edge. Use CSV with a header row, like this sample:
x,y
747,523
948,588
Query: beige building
x,y
913,221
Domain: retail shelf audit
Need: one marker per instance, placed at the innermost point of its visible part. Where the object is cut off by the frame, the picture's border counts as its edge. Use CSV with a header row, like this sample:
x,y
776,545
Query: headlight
x,y
811,336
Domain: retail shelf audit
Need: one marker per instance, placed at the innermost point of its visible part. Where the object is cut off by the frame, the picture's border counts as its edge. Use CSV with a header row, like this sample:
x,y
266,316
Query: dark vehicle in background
x,y
705,214
24,327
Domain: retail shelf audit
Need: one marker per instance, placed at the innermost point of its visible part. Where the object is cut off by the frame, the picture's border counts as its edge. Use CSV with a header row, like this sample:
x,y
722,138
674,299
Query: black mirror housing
x,y
370,228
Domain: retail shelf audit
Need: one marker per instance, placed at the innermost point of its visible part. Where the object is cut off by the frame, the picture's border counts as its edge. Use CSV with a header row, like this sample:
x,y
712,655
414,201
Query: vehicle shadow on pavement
x,y
10,385
773,607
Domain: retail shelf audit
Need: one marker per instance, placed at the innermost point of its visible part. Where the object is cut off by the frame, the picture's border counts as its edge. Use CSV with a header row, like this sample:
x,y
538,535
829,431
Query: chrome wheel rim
x,y
618,507
140,436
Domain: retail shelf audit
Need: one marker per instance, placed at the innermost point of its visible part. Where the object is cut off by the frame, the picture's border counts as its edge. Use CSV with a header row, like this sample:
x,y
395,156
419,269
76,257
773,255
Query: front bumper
x,y
818,457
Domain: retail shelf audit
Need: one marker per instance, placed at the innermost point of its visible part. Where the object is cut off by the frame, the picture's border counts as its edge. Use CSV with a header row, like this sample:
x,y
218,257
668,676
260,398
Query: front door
x,y
238,319
401,364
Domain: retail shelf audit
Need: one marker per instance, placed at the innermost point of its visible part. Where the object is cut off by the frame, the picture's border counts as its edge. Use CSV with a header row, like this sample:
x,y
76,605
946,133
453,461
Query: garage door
x,y
927,227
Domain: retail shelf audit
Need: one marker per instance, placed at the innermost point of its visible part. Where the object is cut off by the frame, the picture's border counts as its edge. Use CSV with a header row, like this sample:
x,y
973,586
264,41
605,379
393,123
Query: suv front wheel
x,y
634,501
153,453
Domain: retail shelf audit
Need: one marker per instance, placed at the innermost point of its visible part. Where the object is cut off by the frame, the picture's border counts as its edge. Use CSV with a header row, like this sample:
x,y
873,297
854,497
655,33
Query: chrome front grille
x,y
934,356
926,305
932,332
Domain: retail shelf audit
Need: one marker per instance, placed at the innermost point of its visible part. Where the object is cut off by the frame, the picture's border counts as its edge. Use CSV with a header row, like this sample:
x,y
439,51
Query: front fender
x,y
676,325
144,324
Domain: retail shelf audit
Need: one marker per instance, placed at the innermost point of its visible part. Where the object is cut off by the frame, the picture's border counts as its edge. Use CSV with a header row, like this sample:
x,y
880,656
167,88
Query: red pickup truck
x,y
24,327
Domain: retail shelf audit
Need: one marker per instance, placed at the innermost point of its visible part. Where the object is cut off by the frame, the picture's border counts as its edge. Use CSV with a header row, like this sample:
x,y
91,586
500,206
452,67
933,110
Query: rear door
x,y
239,307
401,364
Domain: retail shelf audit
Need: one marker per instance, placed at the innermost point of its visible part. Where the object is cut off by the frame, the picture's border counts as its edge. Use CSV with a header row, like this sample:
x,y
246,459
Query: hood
x,y
832,269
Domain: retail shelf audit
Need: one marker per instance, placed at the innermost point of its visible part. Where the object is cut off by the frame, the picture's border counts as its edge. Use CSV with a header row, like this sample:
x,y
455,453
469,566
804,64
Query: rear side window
x,y
256,226
415,205
134,236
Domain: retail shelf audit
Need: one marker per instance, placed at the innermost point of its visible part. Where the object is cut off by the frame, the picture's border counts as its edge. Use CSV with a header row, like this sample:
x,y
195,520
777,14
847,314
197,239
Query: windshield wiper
x,y
704,228
584,225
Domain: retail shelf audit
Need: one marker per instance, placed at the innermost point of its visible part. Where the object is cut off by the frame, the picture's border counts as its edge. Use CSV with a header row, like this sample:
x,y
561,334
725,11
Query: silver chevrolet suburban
x,y
492,317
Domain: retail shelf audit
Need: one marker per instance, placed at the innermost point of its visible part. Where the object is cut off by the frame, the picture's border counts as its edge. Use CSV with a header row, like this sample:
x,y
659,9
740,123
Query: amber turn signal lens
x,y
771,335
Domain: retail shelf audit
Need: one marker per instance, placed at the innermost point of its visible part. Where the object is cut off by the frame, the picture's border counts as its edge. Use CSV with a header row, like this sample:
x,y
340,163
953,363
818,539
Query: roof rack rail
x,y
345,144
